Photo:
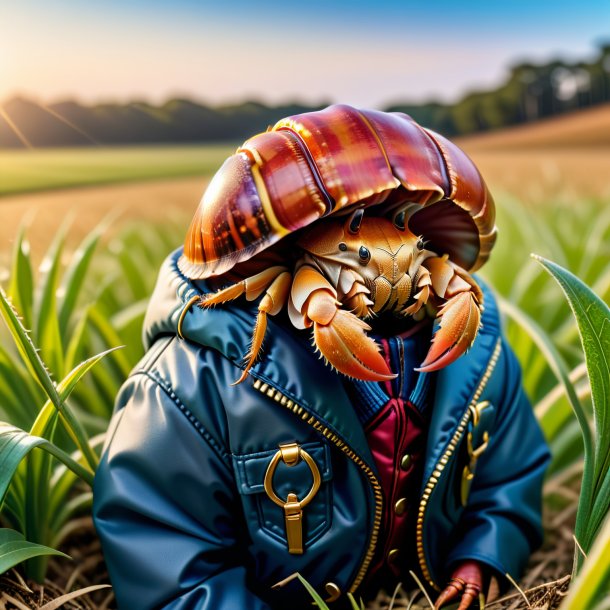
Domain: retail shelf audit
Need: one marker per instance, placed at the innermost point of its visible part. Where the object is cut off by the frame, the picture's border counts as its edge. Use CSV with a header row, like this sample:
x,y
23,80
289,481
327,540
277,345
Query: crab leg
x,y
421,297
338,334
252,287
354,295
460,316
275,282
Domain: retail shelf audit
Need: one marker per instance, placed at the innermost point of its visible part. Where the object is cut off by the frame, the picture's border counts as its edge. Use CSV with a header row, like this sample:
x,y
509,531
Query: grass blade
x,y
69,382
592,582
110,337
78,338
14,549
63,599
48,336
73,425
600,507
36,365
314,594
36,517
15,444
21,286
74,278
552,356
559,368
27,349
593,319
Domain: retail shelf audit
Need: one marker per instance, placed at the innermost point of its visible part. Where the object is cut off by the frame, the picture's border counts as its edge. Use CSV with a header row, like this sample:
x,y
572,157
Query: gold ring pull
x,y
291,454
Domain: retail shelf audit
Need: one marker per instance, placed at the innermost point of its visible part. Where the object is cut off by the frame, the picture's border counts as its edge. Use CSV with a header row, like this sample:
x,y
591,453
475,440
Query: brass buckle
x,y
476,411
474,453
291,454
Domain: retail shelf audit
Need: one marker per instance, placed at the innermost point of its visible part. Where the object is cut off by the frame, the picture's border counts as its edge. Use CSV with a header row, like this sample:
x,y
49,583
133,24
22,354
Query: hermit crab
x,y
378,215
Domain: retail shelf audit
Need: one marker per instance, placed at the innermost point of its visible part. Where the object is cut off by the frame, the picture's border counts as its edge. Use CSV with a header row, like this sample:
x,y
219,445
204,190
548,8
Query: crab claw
x,y
338,334
460,321
344,344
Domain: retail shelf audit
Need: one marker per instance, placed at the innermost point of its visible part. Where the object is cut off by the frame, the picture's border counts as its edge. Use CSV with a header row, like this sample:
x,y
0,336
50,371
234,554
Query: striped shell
x,y
320,163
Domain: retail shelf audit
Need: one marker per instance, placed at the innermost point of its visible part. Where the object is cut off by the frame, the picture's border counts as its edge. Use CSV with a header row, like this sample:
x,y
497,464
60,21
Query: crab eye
x,y
420,244
399,220
365,255
343,246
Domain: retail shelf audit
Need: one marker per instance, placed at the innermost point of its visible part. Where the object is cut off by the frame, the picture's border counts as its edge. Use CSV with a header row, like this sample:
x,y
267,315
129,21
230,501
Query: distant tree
x,y
530,92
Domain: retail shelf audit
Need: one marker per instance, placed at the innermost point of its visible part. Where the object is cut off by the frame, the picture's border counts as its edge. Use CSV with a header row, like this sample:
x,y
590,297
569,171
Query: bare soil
x,y
46,211
588,128
545,176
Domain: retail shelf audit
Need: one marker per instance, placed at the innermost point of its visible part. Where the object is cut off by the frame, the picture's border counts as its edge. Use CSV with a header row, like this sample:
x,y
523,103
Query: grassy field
x,y
567,155
552,201
37,170
159,182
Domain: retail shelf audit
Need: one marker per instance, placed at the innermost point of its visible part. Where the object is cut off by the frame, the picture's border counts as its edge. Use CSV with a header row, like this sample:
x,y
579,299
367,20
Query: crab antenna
x,y
355,221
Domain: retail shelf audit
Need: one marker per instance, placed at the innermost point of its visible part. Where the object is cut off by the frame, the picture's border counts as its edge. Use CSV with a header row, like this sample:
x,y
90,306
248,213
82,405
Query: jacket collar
x,y
289,363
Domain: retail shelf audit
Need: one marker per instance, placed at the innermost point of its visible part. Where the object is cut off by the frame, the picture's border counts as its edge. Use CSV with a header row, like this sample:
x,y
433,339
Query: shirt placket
x,y
395,437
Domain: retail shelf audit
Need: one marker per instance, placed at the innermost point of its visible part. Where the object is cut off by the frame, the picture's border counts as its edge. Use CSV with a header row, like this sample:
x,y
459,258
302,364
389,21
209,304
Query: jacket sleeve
x,y
164,508
501,525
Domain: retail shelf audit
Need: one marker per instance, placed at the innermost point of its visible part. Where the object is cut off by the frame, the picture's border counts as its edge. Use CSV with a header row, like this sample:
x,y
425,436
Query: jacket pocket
x,y
264,514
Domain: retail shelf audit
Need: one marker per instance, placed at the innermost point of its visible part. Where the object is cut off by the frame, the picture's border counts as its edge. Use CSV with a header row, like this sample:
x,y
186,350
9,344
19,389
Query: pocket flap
x,y
250,470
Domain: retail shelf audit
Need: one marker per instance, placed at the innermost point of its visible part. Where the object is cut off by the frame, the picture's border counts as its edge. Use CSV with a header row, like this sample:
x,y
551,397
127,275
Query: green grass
x,y
56,397
86,302
36,170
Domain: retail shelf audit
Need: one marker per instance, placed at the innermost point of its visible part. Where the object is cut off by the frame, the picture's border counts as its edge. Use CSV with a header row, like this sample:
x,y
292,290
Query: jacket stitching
x,y
268,452
220,451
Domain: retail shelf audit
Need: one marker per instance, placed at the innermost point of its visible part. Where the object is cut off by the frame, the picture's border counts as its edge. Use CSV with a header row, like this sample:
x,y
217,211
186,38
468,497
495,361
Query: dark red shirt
x,y
394,417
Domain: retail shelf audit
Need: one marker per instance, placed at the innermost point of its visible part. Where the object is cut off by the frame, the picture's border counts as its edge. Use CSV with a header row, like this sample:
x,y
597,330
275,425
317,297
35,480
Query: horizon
x,y
148,51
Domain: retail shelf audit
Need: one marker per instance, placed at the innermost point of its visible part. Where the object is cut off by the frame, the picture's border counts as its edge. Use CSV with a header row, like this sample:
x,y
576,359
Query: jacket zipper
x,y
440,465
282,399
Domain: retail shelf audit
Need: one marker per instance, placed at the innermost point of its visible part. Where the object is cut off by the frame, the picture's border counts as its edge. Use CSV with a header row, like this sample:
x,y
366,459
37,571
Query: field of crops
x,y
84,301
36,170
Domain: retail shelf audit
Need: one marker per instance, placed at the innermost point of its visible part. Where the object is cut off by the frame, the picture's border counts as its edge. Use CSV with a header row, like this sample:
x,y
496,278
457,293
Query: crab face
x,y
384,255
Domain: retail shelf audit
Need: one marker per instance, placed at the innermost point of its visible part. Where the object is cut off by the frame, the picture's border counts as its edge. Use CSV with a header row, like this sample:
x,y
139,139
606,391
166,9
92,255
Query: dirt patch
x,y
545,176
581,128
152,200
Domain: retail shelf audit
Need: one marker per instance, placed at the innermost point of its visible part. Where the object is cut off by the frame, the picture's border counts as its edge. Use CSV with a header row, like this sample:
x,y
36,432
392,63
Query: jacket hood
x,y
172,291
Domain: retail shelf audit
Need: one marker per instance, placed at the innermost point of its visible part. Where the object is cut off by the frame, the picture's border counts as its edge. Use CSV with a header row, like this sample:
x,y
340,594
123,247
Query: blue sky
x,y
363,53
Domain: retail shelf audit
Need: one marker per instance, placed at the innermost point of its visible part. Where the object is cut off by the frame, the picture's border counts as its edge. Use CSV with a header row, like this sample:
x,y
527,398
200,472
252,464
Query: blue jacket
x,y
180,503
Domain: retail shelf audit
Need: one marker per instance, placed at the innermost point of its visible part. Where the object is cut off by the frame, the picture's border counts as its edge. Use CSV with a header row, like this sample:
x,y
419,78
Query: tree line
x,y
531,92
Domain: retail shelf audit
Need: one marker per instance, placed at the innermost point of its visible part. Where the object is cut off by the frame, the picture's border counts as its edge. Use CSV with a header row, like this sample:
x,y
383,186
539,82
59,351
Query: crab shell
x,y
317,164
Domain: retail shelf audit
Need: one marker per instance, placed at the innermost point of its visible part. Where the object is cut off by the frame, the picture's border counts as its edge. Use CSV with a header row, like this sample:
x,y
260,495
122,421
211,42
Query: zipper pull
x,y
293,515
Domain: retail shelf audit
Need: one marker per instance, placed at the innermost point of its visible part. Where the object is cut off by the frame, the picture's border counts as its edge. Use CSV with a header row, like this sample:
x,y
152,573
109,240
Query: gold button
x,y
406,462
393,555
333,590
401,506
